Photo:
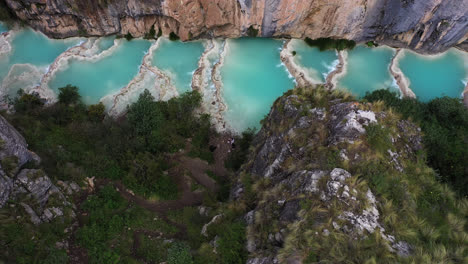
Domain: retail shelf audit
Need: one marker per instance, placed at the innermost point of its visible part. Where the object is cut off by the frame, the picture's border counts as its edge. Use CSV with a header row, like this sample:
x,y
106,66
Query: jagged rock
x,y
298,178
46,200
214,220
265,260
348,122
289,212
250,217
34,218
304,181
12,144
424,25
6,186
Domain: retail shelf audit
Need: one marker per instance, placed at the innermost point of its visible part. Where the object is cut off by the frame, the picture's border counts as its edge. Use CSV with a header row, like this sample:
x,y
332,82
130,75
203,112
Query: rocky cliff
x,y
424,25
330,179
23,183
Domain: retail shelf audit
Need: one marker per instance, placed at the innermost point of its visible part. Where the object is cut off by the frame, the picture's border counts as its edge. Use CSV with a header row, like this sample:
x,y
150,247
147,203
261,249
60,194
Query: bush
x,y
96,112
231,243
69,95
378,137
27,102
328,43
128,36
173,36
179,253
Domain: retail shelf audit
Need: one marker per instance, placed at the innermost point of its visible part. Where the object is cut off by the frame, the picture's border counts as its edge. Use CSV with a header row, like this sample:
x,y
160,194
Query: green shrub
x,y
231,243
294,53
173,36
96,112
378,137
69,95
128,36
27,102
179,253
328,43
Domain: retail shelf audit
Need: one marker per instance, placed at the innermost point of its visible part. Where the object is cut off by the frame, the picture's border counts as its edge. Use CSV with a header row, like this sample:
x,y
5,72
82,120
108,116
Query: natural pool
x,y
30,55
250,78
253,77
105,75
179,60
318,63
435,76
367,70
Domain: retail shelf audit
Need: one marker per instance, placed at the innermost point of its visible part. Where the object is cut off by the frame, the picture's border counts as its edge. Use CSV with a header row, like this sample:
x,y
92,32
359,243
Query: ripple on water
x,y
435,76
179,60
105,76
367,70
252,81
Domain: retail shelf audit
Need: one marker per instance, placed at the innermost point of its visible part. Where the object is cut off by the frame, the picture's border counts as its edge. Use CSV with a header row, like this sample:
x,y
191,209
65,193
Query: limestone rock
x,y
423,25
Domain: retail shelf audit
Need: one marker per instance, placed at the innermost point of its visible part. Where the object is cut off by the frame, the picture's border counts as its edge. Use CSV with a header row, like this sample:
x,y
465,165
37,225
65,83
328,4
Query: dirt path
x,y
197,169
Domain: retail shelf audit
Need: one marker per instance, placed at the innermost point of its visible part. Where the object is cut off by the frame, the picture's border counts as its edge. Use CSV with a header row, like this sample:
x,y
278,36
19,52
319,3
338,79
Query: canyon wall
x,y
427,26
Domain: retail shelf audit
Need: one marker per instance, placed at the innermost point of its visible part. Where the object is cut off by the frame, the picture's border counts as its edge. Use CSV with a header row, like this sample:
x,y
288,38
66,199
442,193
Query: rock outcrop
x,y
306,169
32,189
424,25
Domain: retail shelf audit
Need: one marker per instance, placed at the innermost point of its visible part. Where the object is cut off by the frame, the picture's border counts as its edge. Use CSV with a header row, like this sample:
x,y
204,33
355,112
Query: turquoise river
x,y
242,76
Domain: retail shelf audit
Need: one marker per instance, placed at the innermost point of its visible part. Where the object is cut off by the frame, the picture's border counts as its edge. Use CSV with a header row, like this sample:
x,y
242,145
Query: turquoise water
x,y
367,70
253,78
30,47
106,42
432,77
179,59
319,63
253,75
3,27
105,76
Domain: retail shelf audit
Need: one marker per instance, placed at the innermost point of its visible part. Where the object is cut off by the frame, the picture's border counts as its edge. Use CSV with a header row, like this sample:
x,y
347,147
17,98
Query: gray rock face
x,y
41,199
292,154
424,25
13,144
348,122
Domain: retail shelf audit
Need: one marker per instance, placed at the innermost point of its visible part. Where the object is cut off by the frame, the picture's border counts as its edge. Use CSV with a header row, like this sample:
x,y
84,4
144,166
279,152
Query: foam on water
x,y
178,59
319,63
107,75
251,80
435,76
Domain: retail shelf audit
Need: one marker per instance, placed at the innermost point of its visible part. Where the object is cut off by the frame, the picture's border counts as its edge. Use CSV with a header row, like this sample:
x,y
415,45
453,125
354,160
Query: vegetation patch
x,y
329,43
444,123
173,36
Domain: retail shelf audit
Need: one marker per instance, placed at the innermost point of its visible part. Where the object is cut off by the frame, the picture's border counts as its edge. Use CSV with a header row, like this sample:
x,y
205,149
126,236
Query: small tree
x,y
96,112
144,115
69,95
